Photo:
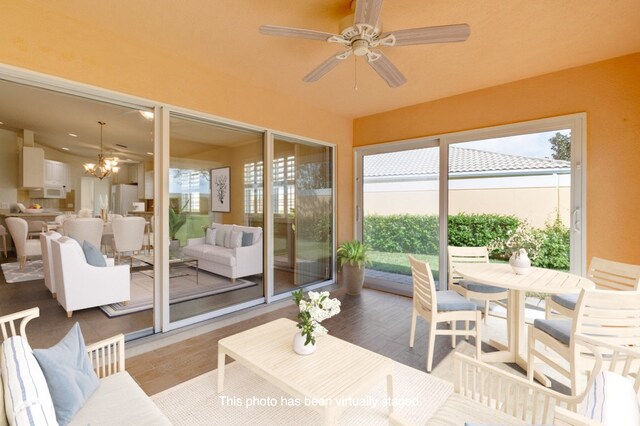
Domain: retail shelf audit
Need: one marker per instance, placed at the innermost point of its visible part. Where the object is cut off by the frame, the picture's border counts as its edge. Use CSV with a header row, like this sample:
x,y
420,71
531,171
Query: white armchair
x,y
80,285
47,262
19,229
85,229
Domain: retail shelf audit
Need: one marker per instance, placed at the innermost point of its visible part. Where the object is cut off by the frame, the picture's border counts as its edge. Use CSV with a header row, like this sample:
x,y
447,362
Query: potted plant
x,y
352,258
177,219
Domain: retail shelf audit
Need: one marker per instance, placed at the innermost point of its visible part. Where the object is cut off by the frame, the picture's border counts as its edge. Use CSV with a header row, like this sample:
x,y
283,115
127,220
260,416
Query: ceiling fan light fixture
x,y
360,47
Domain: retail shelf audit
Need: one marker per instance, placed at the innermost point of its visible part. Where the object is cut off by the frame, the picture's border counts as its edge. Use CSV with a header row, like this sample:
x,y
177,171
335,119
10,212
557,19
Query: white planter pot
x,y
520,262
353,278
300,348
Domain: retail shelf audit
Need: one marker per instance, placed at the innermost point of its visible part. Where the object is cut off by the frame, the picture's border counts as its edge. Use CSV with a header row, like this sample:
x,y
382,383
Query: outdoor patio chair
x,y
470,289
610,316
18,228
607,275
442,306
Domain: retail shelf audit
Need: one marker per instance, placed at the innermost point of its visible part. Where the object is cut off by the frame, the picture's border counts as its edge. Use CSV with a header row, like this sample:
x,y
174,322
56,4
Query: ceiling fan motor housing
x,y
360,47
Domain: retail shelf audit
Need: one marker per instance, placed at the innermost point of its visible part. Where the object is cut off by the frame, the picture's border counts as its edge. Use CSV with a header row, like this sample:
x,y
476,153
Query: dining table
x,y
538,280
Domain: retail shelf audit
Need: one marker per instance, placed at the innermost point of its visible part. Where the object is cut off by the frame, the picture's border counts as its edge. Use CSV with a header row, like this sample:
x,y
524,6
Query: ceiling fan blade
x,y
426,35
367,12
387,71
276,30
326,66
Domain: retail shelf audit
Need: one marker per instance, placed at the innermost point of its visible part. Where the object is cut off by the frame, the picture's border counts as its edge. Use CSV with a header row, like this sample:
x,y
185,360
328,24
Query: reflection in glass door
x,y
400,215
302,200
215,217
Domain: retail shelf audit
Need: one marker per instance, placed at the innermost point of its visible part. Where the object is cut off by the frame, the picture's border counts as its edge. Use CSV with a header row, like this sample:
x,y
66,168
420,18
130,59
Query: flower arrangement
x,y
314,309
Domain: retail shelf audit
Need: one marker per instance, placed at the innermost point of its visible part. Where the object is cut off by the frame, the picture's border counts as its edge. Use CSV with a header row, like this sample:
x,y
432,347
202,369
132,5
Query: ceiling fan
x,y
365,35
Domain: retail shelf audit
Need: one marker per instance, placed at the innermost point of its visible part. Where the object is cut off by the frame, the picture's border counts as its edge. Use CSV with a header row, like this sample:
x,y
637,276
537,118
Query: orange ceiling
x,y
510,40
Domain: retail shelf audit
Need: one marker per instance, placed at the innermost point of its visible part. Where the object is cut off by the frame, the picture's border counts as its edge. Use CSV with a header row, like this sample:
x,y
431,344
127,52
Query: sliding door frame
x,y
577,123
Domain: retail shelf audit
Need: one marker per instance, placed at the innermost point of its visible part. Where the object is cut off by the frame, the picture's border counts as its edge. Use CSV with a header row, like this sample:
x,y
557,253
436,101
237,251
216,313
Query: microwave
x,y
48,192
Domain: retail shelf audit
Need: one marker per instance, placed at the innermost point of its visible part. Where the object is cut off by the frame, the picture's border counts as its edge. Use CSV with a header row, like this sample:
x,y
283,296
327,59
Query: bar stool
x,y
3,234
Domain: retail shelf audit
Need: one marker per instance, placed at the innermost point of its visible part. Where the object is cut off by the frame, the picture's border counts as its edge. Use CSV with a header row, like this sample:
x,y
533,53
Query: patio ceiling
x,y
510,40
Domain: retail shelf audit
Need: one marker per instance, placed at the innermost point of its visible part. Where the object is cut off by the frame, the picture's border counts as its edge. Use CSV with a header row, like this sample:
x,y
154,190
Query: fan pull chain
x,y
355,73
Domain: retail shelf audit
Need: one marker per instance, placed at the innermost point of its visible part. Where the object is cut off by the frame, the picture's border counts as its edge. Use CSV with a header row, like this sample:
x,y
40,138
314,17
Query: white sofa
x,y
229,262
117,401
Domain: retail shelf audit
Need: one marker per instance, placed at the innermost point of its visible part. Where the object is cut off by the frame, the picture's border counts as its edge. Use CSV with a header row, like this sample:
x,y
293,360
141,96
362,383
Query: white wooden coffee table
x,y
337,371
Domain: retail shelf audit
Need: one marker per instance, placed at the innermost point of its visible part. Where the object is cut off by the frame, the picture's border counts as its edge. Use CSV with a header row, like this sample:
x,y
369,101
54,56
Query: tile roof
x,y
461,160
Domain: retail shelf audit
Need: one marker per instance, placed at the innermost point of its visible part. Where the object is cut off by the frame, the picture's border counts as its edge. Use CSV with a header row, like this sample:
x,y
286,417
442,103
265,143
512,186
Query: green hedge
x,y
406,233
418,234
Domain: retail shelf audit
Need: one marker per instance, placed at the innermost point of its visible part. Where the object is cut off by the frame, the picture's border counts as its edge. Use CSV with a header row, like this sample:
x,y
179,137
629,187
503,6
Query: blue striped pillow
x,y
611,401
27,399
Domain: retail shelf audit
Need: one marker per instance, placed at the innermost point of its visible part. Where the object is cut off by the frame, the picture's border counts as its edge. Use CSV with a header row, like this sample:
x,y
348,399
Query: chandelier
x,y
105,166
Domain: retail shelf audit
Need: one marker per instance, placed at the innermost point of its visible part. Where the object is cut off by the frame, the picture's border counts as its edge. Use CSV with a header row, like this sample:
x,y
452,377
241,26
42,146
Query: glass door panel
x,y
215,180
302,200
400,205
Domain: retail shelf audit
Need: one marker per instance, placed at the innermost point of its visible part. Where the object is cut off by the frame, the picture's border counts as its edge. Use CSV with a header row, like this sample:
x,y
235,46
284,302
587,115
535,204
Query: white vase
x,y
300,348
520,262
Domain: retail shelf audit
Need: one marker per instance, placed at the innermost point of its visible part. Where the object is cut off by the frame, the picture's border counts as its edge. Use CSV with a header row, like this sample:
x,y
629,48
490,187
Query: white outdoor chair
x,y
443,306
18,228
80,285
471,289
84,229
610,316
47,260
3,234
607,275
128,235
532,403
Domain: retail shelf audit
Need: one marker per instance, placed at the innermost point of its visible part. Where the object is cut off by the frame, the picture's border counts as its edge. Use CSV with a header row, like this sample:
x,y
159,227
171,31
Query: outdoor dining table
x,y
538,280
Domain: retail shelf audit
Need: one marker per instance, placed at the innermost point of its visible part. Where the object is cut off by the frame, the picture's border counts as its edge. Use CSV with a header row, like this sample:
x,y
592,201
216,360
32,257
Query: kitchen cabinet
x,y
148,185
31,167
54,174
141,181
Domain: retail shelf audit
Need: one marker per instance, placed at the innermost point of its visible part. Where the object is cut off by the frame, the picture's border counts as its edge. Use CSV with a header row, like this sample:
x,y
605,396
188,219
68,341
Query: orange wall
x,y
43,41
608,91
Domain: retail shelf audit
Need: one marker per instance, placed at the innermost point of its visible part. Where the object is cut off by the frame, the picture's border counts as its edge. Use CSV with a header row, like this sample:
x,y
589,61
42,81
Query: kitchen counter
x,y
33,215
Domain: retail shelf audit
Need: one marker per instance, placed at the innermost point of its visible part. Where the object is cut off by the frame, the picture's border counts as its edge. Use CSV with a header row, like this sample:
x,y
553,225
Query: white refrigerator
x,y
123,197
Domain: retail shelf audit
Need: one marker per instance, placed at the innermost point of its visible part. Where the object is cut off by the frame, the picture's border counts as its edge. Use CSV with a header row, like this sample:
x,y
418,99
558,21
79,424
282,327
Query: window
x,y
284,201
253,197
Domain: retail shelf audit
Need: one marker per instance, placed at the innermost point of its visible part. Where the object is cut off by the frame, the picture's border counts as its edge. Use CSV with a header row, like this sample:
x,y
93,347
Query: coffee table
x,y
335,372
175,259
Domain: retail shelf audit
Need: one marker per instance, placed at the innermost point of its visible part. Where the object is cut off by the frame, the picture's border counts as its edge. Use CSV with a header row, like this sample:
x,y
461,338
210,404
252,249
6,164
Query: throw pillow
x,y
69,375
611,401
93,255
247,239
235,239
221,233
210,237
26,396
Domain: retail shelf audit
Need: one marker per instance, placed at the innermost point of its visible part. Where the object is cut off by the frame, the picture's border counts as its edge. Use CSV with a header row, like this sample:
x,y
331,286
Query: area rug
x,y
248,399
181,289
32,271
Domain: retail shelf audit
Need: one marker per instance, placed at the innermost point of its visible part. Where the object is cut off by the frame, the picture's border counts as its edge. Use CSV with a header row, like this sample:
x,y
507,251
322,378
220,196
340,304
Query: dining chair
x,y
610,316
442,306
607,275
84,229
128,235
470,289
35,227
47,260
3,234
18,228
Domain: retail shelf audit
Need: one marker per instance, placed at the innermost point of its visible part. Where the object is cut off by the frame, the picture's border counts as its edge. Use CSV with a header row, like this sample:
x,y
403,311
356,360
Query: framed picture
x,y
220,190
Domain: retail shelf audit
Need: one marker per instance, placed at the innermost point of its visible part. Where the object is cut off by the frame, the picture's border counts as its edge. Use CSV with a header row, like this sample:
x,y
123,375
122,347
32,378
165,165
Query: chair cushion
x,y
559,329
26,395
611,401
69,375
93,255
209,253
451,301
480,288
568,301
